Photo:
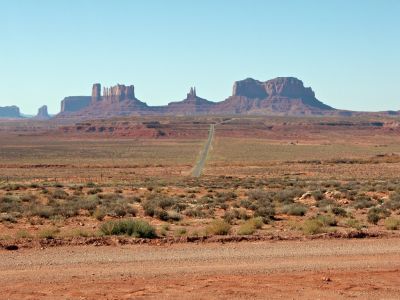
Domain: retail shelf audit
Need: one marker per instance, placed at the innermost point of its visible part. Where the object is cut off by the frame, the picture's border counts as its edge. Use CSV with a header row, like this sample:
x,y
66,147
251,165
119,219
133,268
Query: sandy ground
x,y
320,269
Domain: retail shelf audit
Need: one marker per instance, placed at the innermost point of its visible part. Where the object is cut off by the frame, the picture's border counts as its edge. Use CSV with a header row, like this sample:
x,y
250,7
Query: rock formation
x,y
42,113
118,93
191,105
74,104
10,112
96,93
118,100
279,96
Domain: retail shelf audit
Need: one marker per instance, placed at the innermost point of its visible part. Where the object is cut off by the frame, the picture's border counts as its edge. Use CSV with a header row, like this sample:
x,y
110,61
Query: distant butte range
x,y
282,96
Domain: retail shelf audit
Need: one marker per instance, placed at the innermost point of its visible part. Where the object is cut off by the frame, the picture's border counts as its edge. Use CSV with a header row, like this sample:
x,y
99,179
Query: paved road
x,y
198,169
368,269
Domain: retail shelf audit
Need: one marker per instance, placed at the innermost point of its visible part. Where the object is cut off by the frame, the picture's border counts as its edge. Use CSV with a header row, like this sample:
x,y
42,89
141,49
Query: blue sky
x,y
348,51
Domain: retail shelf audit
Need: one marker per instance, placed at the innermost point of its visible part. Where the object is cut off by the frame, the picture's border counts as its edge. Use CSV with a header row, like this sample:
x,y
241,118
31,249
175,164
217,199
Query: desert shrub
x,y
295,209
48,233
161,214
354,223
338,211
218,227
261,196
42,211
28,198
225,196
313,226
179,206
23,234
363,201
325,204
318,195
394,202
155,203
181,231
130,227
287,196
392,224
99,214
234,214
10,204
7,218
59,194
94,191
267,213
174,216
195,213
250,226
376,213
327,220
110,196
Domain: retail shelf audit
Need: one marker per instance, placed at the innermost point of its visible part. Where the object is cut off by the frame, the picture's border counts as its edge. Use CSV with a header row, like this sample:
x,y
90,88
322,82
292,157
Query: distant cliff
x,y
279,96
73,104
10,112
42,114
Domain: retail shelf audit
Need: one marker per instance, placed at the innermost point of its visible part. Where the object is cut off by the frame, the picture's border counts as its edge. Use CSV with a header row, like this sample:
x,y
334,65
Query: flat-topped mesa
x,y
10,112
290,87
118,93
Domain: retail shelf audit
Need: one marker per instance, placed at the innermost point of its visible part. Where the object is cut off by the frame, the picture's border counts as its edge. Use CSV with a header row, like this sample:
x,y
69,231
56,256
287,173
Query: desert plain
x,y
200,207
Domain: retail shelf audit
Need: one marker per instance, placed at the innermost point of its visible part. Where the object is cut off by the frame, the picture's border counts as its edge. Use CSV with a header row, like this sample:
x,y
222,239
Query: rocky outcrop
x,y
74,104
10,112
42,113
118,93
279,96
118,100
96,93
191,105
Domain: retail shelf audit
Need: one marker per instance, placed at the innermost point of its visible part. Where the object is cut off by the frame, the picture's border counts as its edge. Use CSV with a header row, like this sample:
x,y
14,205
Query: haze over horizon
x,y
347,51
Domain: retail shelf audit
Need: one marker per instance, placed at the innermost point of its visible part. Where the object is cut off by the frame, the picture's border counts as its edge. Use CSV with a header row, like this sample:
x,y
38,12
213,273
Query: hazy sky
x,y
348,51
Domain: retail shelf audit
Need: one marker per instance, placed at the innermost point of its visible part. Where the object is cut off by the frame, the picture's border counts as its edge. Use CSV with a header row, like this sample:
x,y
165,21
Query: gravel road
x,y
198,169
116,272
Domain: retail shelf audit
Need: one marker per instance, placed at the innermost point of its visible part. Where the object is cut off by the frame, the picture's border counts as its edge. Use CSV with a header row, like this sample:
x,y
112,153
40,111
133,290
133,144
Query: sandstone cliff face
x,y
279,96
74,104
118,93
10,112
96,93
42,113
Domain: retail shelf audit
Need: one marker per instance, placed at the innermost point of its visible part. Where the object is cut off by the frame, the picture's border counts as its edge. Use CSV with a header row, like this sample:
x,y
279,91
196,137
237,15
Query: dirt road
x,y
203,156
323,269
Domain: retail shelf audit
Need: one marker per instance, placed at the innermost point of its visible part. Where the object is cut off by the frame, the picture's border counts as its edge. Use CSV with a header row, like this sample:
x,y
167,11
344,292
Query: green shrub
x,y
295,209
130,227
267,213
218,227
363,201
250,226
7,218
327,220
49,233
181,231
339,211
376,213
392,224
313,226
353,223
